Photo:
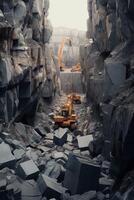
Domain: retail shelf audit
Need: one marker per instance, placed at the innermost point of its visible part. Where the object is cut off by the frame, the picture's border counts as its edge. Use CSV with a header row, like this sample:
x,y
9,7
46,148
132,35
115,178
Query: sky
x,y
69,13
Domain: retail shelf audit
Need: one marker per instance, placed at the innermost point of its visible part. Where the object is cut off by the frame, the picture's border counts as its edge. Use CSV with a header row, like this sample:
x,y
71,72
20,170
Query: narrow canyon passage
x,y
66,99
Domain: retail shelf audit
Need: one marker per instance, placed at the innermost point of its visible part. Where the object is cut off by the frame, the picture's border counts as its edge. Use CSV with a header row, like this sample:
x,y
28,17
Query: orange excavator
x,y
66,117
60,51
68,41
76,68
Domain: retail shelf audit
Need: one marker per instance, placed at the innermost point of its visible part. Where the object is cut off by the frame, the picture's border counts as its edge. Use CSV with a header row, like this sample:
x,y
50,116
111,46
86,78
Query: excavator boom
x,y
60,51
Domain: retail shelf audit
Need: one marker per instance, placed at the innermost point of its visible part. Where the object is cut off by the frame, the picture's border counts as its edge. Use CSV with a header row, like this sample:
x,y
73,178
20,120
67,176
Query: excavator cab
x,y
75,98
65,113
66,117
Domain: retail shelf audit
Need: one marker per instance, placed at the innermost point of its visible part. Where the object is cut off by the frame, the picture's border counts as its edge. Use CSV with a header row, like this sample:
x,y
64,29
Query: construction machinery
x,y
75,98
68,41
60,51
76,68
66,117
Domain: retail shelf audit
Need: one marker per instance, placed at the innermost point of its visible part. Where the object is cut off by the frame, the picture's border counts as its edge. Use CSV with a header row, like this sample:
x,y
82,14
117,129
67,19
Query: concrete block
x,y
30,191
52,169
49,187
49,136
35,136
28,170
60,136
40,131
19,153
83,141
6,157
32,154
81,175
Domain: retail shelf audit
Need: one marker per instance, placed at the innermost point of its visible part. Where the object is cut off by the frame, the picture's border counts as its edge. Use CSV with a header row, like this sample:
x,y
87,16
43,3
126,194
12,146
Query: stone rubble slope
x,y
37,163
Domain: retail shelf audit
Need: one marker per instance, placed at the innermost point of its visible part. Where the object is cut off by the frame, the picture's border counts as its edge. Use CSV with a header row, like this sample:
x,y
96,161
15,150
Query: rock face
x,y
74,84
107,68
25,61
110,34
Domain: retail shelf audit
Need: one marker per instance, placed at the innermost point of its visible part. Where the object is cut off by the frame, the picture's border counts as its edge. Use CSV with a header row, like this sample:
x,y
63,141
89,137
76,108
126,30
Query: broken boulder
x,y
60,136
81,175
49,187
40,131
83,141
30,191
35,136
52,169
27,170
19,153
6,157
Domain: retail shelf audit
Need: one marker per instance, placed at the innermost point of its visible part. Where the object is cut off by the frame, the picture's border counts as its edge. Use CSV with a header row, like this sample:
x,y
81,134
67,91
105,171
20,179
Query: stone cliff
x,y
25,55
107,67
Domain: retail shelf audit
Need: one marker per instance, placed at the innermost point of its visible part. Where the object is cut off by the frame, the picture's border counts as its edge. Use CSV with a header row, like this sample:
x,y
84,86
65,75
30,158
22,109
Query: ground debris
x,y
49,160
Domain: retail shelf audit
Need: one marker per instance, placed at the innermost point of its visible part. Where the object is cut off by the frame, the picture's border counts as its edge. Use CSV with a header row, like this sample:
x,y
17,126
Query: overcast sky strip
x,y
69,13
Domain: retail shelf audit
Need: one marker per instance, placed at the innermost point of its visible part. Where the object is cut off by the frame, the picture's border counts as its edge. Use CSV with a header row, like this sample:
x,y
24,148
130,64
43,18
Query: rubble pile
x,y
95,161
43,163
